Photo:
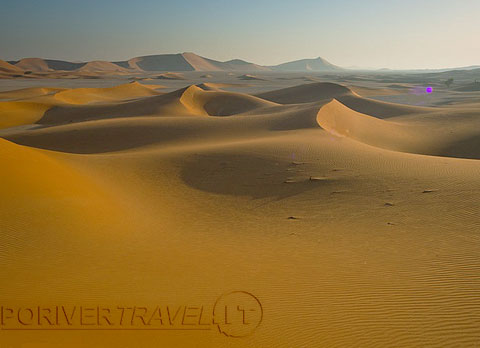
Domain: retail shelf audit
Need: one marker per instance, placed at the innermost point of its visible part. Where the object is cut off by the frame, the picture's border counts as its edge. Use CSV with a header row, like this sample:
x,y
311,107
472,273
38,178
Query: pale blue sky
x,y
373,33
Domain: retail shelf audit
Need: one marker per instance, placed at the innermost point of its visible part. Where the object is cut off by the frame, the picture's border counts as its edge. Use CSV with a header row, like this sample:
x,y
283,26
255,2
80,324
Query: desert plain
x,y
347,202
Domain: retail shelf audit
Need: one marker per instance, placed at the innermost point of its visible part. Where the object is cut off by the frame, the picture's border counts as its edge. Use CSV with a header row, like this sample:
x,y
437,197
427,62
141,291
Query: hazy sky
x,y
370,33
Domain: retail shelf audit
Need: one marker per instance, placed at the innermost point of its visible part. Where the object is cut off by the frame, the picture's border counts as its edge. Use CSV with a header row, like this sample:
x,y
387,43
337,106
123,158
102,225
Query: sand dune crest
x,y
306,93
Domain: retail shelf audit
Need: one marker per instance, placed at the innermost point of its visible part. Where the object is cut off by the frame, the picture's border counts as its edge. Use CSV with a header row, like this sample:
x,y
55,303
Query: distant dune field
x,y
173,63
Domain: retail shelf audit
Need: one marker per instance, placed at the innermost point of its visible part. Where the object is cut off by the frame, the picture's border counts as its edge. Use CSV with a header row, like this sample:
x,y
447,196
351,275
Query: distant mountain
x,y
187,62
101,66
241,65
163,62
39,64
307,65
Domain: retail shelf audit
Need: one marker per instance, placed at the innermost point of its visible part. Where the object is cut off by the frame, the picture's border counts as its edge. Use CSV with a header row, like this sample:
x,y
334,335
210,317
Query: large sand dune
x,y
435,134
306,93
28,93
45,65
33,64
187,61
33,105
317,64
7,67
102,66
354,221
122,92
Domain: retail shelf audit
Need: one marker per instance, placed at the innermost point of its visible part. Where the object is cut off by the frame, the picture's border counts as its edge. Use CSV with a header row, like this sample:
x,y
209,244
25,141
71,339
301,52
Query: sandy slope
x,y
188,61
101,66
316,64
199,63
30,105
170,76
8,70
7,67
249,77
320,202
436,133
28,93
117,93
33,64
306,93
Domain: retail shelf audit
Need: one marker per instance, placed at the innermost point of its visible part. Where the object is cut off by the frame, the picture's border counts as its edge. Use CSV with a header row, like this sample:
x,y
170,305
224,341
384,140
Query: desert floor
x,y
348,206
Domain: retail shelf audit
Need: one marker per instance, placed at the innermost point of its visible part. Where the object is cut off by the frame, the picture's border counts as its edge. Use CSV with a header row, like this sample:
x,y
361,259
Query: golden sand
x,y
354,222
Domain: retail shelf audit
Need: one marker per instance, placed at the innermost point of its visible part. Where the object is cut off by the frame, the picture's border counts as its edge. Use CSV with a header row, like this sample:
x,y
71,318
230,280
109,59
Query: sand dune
x,y
17,113
122,92
199,63
212,86
76,106
249,77
28,93
339,111
317,64
185,102
445,136
101,66
31,105
168,104
170,76
342,121
166,62
369,91
217,103
28,173
46,65
187,61
306,93
241,65
378,108
33,64
7,67
208,86
310,79
354,221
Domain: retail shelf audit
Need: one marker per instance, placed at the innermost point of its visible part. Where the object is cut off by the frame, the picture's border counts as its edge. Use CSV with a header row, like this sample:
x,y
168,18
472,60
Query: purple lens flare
x,y
421,90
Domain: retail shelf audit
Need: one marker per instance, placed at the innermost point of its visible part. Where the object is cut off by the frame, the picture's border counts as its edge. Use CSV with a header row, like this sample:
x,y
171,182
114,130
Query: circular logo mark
x,y
237,313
